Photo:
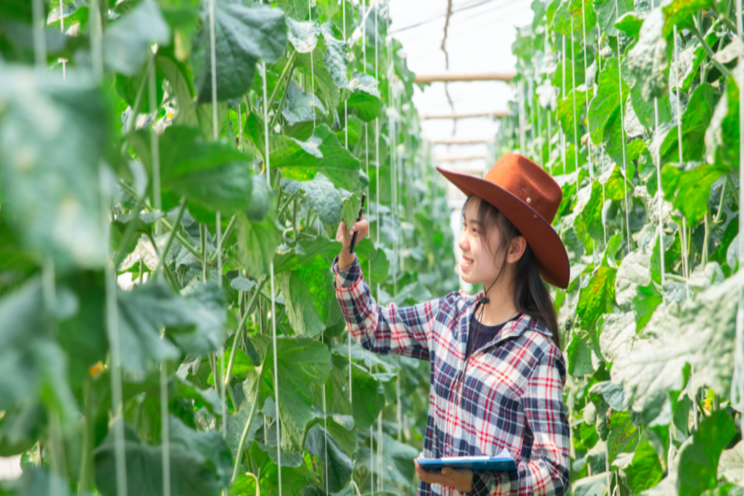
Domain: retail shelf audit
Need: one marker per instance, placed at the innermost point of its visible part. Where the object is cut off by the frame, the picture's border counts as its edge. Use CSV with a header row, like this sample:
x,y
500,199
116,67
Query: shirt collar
x,y
512,329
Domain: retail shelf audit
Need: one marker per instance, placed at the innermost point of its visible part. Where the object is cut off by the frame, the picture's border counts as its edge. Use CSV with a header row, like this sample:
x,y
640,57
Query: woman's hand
x,y
345,259
460,479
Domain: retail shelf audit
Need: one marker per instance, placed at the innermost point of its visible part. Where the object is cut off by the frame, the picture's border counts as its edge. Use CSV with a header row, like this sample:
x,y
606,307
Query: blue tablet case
x,y
503,462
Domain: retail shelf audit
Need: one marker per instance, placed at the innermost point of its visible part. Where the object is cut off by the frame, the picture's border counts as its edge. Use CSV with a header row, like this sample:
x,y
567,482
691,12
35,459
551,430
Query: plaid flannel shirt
x,y
509,396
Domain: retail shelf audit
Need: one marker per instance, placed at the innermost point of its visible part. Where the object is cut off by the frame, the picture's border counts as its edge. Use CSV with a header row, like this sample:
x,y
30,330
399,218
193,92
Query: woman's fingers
x,y
459,479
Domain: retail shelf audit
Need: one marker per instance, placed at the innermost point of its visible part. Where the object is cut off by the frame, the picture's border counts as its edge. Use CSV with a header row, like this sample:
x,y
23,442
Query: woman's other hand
x,y
345,258
460,479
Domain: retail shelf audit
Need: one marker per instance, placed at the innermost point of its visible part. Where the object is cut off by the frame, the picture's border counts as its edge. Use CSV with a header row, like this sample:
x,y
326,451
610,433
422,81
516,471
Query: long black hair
x,y
531,297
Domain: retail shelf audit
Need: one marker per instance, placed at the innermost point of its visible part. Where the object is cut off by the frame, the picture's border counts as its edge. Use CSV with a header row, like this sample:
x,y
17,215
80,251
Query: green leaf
x,y
633,272
32,365
192,472
301,362
689,190
367,392
213,175
321,153
597,298
309,292
679,12
645,303
312,65
364,100
647,61
242,36
574,103
300,106
605,106
617,333
701,334
257,242
306,250
204,307
396,460
322,444
579,353
608,12
127,40
322,196
695,120
645,470
722,135
335,56
645,111
52,136
630,24
302,35
591,214
697,469
623,435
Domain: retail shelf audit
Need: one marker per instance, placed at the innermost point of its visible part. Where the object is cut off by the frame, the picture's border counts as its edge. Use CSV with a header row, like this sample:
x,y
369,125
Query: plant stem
x,y
228,232
204,258
241,327
284,98
166,269
127,238
137,104
732,185
244,435
294,219
708,50
164,221
720,203
287,203
287,68
169,241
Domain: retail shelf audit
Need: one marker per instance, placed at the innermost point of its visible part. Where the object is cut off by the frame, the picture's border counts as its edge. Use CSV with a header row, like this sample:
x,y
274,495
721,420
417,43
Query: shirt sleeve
x,y
386,330
547,472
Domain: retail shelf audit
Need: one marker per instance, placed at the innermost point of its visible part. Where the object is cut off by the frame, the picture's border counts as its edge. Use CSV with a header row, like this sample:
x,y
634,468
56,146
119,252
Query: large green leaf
x,y
196,322
605,106
127,41
623,435
645,471
573,104
591,214
214,175
609,11
301,106
722,135
697,469
689,190
32,365
364,100
242,36
396,461
309,292
199,462
368,396
597,298
647,61
313,66
695,121
301,362
52,135
321,153
257,242
701,334
322,196
322,444
679,12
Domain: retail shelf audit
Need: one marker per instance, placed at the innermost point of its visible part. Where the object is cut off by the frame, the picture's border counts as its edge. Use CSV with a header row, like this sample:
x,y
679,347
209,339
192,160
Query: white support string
x,y
62,30
576,124
377,226
267,159
685,252
346,107
622,132
660,196
586,89
563,96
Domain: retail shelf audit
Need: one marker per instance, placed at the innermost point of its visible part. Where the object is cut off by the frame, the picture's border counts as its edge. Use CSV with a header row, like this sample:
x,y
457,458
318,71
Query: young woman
x,y
497,372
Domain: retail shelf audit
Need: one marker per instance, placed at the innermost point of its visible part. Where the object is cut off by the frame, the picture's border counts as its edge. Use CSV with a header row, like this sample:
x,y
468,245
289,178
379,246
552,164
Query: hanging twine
x,y
622,132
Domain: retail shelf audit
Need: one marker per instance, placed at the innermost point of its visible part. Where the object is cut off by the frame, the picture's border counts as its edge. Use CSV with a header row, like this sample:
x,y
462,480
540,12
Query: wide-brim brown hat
x,y
529,197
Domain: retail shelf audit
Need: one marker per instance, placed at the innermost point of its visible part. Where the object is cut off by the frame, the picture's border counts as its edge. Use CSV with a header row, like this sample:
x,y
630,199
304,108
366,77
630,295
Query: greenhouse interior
x,y
371,247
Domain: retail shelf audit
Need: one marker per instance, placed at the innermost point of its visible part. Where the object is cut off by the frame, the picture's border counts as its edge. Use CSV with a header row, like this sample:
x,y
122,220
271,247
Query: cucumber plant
x,y
634,108
213,199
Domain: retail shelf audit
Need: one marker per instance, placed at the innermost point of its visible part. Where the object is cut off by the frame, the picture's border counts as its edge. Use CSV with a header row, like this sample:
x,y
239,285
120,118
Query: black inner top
x,y
485,333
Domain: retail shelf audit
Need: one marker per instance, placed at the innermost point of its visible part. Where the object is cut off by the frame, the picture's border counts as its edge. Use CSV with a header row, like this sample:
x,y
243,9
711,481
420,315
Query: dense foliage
x,y
634,108
143,250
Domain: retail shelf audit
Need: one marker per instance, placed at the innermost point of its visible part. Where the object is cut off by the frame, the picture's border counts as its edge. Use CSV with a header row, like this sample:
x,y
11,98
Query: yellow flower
x,y
170,115
97,369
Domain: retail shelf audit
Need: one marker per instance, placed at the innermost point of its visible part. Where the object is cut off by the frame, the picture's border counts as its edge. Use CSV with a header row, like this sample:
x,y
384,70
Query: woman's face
x,y
478,263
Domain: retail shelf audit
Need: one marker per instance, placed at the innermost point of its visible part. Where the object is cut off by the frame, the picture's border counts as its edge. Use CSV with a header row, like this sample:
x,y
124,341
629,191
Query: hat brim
x,y
547,246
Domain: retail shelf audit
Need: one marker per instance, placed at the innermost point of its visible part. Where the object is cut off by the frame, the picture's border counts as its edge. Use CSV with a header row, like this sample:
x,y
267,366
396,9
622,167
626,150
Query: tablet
x,y
503,462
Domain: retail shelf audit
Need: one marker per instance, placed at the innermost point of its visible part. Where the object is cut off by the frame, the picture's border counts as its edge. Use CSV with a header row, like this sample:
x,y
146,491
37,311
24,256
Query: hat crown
x,y
528,182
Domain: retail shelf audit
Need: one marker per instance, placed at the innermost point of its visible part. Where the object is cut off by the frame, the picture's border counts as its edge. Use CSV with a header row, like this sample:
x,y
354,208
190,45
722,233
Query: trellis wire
x,y
586,88
737,383
377,209
576,128
679,149
346,107
112,310
267,158
622,132
563,96
660,195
